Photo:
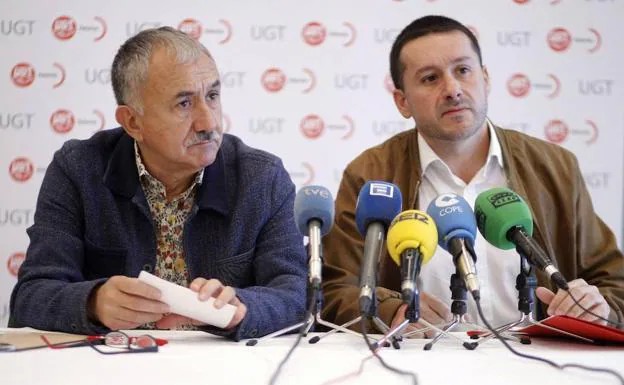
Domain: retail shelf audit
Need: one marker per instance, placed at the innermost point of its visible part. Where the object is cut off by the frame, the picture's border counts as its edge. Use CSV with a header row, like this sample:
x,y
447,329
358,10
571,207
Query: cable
x,y
544,360
383,363
356,373
351,375
306,316
617,324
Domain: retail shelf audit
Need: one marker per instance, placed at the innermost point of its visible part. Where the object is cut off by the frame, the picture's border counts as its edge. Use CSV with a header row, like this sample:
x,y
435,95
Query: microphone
x,y
378,203
505,220
314,215
412,238
457,229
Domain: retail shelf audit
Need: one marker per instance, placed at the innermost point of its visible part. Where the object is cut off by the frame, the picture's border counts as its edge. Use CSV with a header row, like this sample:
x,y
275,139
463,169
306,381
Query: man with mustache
x,y
169,193
442,84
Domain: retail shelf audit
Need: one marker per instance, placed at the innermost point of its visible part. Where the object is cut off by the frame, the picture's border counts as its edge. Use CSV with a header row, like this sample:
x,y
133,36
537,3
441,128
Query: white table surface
x,y
200,358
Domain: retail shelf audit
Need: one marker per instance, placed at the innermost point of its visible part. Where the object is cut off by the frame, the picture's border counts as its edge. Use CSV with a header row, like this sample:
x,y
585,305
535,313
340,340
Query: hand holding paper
x,y
206,301
125,303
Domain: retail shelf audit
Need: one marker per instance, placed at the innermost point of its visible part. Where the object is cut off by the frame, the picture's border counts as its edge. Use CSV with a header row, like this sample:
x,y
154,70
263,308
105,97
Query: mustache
x,y
204,136
459,103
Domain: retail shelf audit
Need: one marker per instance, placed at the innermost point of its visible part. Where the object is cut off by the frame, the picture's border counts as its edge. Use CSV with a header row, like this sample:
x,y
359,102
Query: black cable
x,y
383,363
544,360
307,315
617,324
347,376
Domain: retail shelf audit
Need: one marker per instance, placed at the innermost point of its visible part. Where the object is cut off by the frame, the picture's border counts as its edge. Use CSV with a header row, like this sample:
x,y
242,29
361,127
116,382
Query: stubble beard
x,y
435,131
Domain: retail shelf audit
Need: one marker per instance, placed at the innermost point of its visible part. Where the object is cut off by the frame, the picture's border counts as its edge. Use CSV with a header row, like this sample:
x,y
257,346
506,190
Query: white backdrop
x,y
306,80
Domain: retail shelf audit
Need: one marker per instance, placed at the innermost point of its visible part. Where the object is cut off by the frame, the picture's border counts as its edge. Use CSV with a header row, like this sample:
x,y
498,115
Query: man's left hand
x,y
587,295
206,288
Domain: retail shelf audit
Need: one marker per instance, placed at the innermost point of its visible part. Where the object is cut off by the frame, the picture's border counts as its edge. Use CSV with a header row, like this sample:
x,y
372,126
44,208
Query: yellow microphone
x,y
412,240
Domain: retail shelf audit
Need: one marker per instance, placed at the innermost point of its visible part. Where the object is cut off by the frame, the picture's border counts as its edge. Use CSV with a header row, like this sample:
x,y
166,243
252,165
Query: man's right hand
x,y
432,310
126,303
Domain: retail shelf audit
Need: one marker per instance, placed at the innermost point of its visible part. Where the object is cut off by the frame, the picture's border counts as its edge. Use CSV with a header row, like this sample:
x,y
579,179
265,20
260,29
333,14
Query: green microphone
x,y
505,220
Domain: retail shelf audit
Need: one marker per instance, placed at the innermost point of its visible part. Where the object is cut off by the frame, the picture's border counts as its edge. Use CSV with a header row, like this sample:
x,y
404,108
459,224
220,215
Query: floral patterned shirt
x,y
169,219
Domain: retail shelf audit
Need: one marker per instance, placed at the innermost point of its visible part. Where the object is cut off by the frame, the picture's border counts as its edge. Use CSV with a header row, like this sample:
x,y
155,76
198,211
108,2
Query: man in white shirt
x,y
497,268
441,83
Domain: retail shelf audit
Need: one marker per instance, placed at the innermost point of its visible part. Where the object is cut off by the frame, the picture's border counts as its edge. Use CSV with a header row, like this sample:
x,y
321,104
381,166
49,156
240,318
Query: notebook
x,y
27,339
597,333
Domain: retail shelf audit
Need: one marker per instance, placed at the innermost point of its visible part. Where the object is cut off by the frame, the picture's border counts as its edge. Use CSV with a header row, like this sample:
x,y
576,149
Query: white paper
x,y
184,301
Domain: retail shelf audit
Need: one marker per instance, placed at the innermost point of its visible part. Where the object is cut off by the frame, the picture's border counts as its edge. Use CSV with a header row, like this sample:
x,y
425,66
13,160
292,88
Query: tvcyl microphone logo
x,y
503,198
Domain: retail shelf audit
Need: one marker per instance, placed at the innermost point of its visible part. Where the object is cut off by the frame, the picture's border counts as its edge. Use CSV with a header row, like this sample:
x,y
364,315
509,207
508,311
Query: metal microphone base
x,y
525,284
397,330
459,295
334,328
388,334
344,328
524,321
458,320
503,331
412,315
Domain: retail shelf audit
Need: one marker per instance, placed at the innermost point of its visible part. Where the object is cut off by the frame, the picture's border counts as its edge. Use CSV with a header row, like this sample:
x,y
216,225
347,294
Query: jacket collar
x,y
508,160
122,177
516,183
213,191
416,169
511,169
428,157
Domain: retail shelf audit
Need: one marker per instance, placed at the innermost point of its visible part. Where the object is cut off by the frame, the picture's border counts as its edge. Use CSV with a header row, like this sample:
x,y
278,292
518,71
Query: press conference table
x,y
198,358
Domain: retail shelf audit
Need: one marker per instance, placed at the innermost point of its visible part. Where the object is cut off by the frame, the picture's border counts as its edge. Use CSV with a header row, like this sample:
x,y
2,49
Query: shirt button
x,y
147,267
253,333
74,327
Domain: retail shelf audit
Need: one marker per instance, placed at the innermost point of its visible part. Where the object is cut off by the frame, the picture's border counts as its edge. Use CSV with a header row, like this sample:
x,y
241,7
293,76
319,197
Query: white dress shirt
x,y
497,269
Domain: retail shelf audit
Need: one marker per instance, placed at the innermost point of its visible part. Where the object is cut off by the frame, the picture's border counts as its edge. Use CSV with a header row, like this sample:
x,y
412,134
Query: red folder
x,y
597,333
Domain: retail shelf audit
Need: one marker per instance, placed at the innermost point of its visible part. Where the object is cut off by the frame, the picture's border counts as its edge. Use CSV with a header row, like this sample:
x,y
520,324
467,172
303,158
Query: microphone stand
x,y
371,315
334,328
315,293
314,318
308,322
525,284
459,295
412,315
343,328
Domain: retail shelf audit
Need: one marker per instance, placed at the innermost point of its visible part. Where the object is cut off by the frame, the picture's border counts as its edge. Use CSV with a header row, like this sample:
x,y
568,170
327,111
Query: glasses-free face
x,y
445,88
180,129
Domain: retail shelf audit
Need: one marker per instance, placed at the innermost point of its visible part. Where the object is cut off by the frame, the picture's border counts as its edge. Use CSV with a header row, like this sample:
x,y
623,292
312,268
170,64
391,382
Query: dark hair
x,y
421,27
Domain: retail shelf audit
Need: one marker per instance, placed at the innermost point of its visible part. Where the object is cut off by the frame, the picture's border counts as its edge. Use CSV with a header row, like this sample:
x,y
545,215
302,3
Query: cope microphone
x,y
457,229
378,203
314,214
411,243
505,220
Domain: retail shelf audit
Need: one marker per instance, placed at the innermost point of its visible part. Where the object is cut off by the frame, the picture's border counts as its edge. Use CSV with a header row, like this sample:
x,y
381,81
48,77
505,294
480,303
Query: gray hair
x,y
130,66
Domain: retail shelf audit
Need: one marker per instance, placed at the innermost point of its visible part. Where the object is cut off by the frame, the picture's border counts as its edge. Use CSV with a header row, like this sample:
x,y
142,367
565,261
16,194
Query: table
x,y
198,358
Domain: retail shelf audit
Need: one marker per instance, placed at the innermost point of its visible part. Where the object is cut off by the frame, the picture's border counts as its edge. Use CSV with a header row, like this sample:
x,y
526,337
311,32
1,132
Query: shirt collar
x,y
144,173
428,157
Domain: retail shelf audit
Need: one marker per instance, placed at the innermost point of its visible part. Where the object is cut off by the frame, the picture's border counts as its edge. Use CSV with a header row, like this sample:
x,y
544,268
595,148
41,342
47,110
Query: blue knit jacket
x,y
93,221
